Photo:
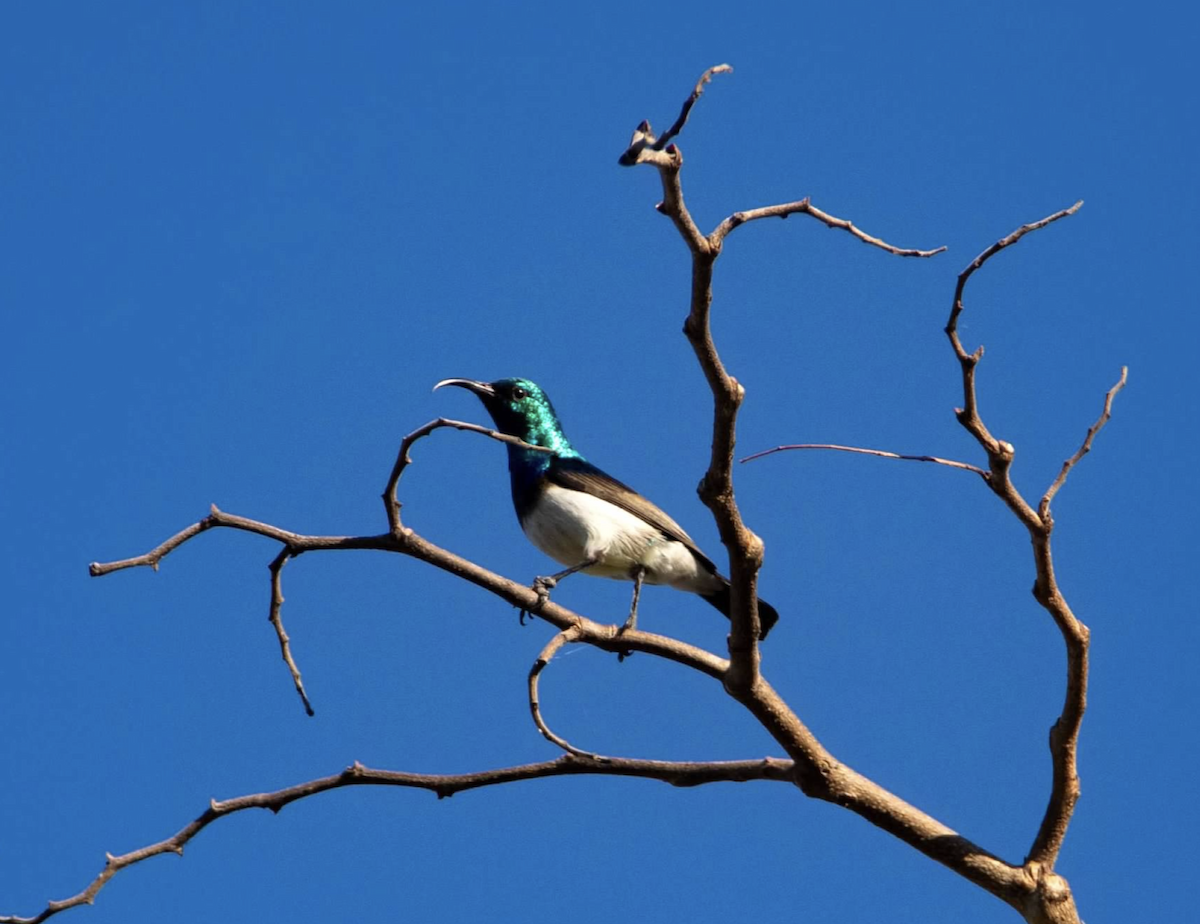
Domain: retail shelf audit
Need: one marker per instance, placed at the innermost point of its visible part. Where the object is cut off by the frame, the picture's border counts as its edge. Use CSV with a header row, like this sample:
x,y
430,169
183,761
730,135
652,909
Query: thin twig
x,y
869,452
155,555
391,503
295,542
276,619
1008,241
565,637
1000,454
805,207
1105,416
644,147
444,785
686,110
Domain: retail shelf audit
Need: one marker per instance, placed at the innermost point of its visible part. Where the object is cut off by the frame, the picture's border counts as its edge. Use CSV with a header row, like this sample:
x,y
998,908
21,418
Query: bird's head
x,y
519,408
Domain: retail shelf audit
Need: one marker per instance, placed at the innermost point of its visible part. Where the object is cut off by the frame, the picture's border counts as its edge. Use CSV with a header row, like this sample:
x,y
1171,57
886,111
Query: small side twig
x,y
276,619
965,466
390,502
1006,241
643,142
565,637
1083,450
155,555
686,110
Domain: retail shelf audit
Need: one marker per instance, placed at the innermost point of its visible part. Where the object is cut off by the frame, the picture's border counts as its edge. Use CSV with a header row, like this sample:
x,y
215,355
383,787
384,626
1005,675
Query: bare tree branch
x,y
805,207
816,771
403,459
999,454
716,488
1051,898
643,137
1105,415
443,785
276,618
565,637
868,452
607,637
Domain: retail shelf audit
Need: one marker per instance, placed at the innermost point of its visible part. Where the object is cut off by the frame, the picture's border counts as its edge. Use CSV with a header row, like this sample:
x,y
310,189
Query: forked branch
x,y
1051,899
716,488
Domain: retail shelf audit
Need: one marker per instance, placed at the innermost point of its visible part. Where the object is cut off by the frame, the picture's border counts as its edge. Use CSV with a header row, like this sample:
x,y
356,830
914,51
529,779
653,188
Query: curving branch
x,y
1051,898
276,618
676,773
390,502
547,654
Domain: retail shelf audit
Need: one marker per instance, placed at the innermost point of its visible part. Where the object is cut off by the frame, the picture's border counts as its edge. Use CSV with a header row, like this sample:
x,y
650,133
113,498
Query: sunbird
x,y
584,518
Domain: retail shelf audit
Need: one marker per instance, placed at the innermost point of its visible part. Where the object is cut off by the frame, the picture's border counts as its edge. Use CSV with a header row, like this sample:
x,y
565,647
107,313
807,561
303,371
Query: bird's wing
x,y
578,475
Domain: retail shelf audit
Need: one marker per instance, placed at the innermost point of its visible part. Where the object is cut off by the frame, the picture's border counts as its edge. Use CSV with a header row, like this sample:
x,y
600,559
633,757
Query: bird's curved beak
x,y
483,389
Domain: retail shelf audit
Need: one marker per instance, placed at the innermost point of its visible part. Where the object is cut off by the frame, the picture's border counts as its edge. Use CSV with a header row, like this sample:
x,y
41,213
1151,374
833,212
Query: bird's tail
x,y
767,614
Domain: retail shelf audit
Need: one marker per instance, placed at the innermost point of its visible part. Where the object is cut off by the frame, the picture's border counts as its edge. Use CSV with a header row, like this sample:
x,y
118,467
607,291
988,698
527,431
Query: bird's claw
x,y
542,587
630,623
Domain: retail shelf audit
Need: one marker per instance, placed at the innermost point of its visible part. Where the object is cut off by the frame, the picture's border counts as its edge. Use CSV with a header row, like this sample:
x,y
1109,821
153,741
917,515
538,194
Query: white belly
x,y
571,527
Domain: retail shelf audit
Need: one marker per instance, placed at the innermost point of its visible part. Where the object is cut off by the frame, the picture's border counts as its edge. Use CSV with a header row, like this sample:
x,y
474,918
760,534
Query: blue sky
x,y
242,244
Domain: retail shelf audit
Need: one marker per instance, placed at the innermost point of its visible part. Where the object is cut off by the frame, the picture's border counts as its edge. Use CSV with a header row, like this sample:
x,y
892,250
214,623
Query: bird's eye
x,y
519,393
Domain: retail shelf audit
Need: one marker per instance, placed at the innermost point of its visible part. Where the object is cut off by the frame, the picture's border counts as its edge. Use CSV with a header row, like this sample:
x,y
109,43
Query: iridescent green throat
x,y
543,429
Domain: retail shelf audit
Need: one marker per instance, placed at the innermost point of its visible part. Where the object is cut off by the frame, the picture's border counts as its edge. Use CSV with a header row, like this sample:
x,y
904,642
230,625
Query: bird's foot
x,y
630,623
542,587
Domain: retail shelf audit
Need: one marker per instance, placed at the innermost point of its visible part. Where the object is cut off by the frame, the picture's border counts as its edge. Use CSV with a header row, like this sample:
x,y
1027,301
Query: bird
x,y
584,518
